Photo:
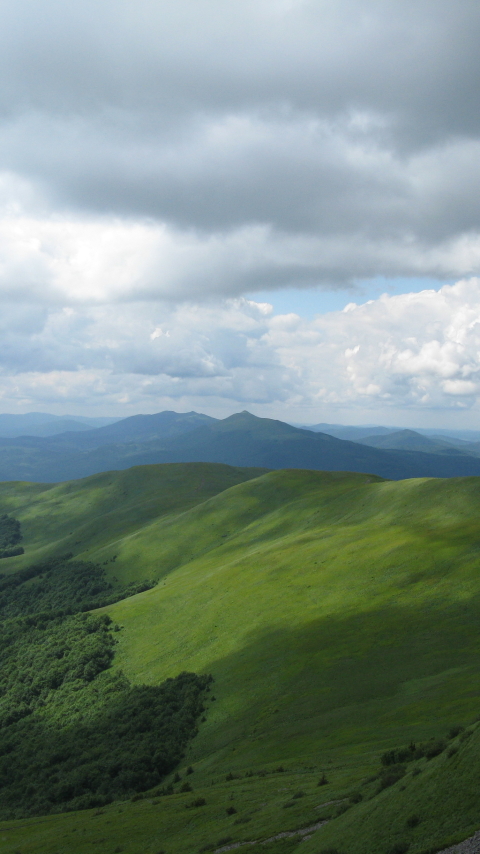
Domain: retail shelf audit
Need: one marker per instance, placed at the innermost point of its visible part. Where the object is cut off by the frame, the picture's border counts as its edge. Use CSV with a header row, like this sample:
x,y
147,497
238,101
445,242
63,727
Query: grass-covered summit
x,y
338,614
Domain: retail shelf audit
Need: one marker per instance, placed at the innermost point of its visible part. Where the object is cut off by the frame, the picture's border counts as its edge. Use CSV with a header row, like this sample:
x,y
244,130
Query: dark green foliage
x,y
189,770
39,656
198,802
60,585
429,749
73,735
10,533
10,536
399,848
412,821
298,795
455,730
186,787
356,797
322,781
102,741
390,776
231,811
401,754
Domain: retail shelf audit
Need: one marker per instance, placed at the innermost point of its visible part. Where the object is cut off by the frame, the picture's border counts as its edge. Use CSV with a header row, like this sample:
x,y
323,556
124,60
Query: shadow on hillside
x,y
369,680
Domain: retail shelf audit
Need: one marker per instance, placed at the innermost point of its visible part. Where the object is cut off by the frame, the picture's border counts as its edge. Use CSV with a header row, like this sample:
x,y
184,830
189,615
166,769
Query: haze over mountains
x,y
239,440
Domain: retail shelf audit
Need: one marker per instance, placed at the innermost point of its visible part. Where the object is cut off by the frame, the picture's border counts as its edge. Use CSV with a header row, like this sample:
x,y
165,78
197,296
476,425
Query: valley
x,y
338,616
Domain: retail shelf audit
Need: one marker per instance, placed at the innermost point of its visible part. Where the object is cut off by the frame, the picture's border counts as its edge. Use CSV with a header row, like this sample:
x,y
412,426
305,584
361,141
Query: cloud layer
x,y
190,149
414,351
161,161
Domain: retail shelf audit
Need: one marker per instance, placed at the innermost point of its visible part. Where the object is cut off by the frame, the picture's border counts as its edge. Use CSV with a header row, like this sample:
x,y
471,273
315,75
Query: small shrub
x,y
280,769
434,747
224,840
189,770
297,795
231,811
390,776
138,797
341,809
412,821
198,802
322,781
455,730
186,787
416,771
356,797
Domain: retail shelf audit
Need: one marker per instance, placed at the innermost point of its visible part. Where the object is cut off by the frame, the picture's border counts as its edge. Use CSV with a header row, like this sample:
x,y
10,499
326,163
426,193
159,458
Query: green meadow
x,y
339,616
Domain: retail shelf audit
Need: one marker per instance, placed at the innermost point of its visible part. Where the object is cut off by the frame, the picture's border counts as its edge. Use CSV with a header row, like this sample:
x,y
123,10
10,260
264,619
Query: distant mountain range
x,y
240,440
45,424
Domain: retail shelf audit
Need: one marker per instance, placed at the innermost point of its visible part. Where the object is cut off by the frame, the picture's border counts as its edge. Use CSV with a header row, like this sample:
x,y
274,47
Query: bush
x,y
356,797
390,776
224,840
455,730
198,802
412,821
322,781
189,770
434,747
186,787
298,795
231,811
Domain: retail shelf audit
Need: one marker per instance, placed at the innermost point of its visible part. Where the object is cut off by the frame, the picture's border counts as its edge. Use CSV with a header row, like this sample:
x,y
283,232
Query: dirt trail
x,y
468,846
304,832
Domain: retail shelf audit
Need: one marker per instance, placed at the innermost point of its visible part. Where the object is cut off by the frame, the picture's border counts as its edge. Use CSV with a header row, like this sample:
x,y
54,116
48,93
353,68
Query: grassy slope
x,y
339,616
95,517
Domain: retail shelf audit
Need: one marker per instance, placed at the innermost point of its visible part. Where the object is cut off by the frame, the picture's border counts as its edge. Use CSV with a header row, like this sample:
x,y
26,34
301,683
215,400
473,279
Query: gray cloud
x,y
341,121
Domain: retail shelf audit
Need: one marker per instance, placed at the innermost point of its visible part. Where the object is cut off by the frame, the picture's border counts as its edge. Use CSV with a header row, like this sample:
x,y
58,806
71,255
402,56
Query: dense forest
x,y
10,536
74,733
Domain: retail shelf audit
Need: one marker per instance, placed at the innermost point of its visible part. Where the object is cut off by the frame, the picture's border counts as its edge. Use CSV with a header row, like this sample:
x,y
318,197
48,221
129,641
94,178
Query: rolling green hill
x,y
338,614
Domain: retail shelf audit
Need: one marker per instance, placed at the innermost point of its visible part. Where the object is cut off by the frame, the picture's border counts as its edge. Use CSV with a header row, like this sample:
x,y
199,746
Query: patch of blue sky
x,y
309,302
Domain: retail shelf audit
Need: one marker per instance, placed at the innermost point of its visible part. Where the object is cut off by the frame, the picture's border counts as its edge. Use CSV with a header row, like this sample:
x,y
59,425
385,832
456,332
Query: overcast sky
x,y
202,203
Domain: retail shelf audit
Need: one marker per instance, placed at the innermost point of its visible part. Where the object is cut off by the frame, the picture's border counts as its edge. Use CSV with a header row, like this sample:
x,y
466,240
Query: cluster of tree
x,y
61,585
74,734
10,536
40,654
97,742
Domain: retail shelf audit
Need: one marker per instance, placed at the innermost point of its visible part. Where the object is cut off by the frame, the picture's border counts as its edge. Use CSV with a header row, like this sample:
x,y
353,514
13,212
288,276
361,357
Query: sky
x,y
269,205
